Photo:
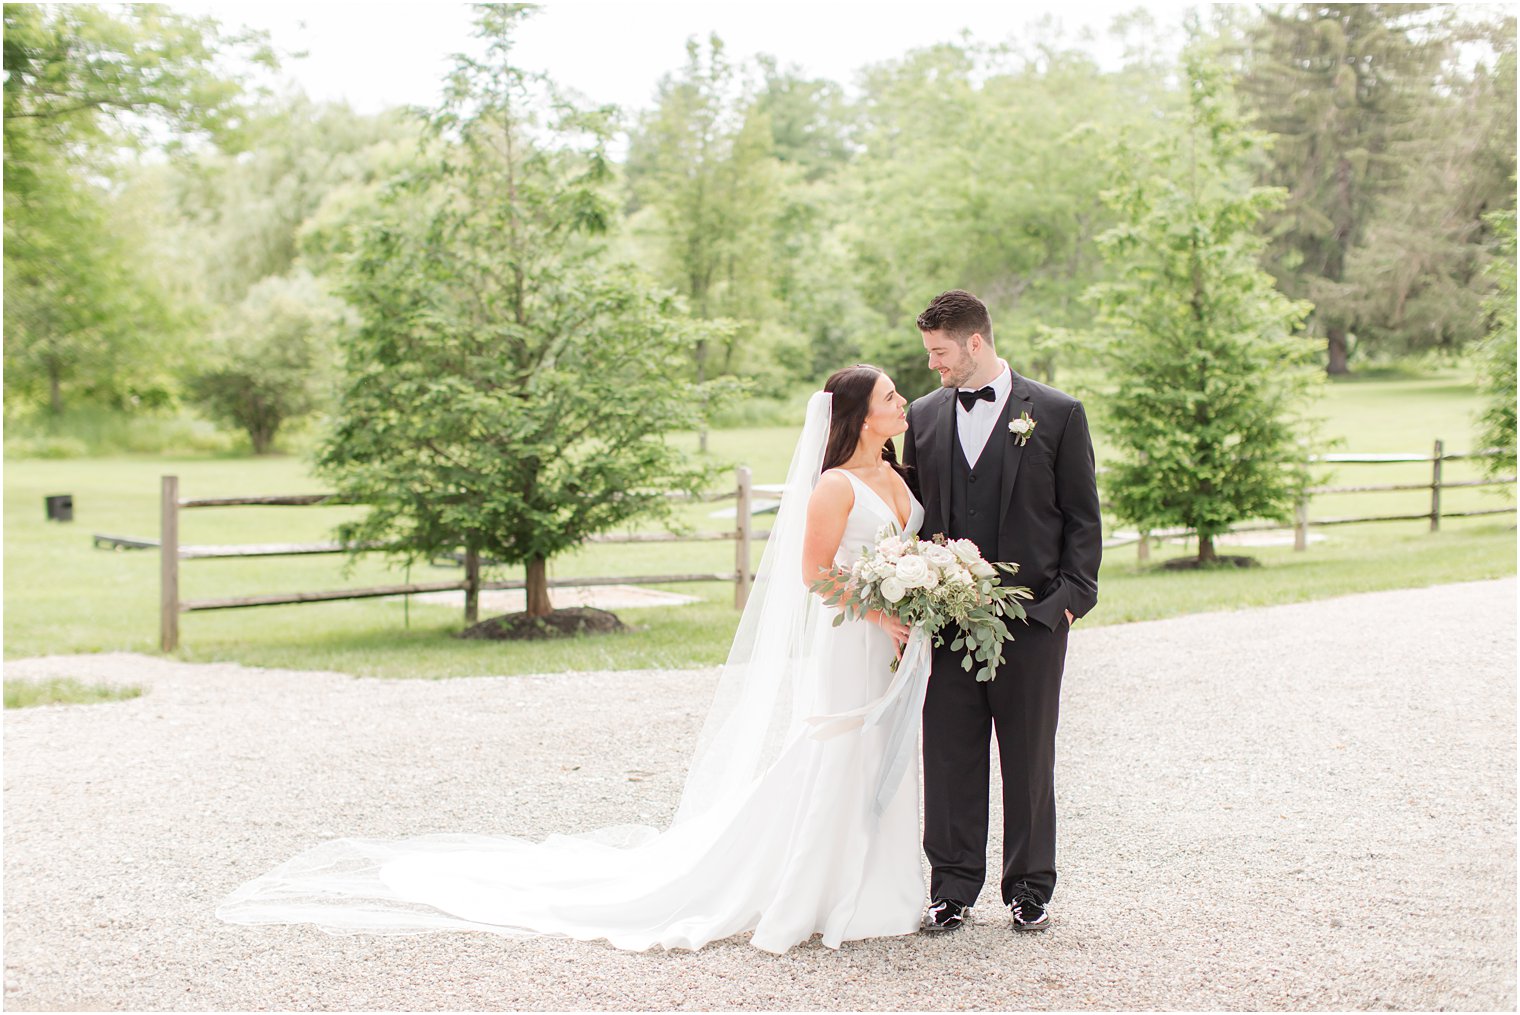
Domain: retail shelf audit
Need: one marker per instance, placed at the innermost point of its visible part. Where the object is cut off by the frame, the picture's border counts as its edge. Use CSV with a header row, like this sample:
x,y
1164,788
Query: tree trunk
x,y
262,438
538,589
1338,353
472,585
702,378
55,390
1206,553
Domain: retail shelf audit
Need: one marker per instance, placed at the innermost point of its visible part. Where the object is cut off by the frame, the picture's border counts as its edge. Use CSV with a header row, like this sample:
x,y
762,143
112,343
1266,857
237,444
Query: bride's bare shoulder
x,y
833,490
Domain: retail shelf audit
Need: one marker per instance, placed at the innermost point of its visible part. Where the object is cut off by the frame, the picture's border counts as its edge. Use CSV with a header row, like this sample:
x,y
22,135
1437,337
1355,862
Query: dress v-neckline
x,y
901,524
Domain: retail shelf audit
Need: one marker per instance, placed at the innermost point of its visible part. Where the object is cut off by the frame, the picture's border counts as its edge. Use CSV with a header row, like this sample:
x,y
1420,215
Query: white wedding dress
x,y
804,825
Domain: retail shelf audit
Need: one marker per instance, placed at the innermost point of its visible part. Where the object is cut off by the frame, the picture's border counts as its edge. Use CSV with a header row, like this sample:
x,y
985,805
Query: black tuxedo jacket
x,y
1050,524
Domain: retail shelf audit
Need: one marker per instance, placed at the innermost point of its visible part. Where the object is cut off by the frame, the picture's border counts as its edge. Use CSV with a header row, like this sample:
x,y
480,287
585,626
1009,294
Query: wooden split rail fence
x,y
171,552
1301,518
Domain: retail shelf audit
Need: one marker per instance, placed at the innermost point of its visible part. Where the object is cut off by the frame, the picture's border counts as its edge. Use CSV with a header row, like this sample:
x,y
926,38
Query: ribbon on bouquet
x,y
899,709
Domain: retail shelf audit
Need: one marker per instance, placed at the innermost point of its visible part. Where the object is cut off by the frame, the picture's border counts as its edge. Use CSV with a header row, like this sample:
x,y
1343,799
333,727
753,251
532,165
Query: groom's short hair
x,y
958,314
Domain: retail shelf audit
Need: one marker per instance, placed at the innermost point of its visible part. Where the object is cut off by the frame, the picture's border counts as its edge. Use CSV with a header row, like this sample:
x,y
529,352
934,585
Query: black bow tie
x,y
969,398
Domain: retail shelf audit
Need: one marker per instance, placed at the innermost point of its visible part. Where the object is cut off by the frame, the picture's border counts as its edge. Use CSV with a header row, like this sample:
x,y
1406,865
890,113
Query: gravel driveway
x,y
1306,806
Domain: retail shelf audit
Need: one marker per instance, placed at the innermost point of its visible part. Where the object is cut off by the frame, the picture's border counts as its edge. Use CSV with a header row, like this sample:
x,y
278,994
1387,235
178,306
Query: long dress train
x,y
824,840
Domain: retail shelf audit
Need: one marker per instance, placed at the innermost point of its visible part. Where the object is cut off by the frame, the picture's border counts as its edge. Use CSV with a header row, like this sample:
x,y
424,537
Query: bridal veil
x,y
761,703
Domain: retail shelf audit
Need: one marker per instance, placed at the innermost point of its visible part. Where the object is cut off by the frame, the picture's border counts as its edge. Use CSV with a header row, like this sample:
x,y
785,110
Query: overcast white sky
x,y
384,54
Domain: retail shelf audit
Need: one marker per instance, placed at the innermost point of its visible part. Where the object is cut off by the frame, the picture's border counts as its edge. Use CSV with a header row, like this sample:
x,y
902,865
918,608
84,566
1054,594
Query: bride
x,y
799,815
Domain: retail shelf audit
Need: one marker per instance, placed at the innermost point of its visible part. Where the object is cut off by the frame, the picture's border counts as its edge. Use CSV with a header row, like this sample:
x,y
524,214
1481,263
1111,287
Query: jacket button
x,y
973,512
973,477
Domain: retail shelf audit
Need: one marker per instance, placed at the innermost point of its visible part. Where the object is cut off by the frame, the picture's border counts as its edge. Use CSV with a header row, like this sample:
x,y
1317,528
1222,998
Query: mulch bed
x,y
575,620
1194,564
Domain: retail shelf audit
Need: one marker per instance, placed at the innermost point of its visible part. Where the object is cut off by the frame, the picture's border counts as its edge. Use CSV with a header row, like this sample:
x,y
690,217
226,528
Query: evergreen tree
x,y
508,389
1497,356
1340,86
1419,281
1211,381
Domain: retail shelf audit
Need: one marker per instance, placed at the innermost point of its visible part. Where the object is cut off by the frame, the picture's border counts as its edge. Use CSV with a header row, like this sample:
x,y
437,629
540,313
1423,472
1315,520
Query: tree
x,y
82,318
1497,356
809,119
271,357
508,389
1340,85
1418,281
701,162
229,219
83,84
1211,382
982,169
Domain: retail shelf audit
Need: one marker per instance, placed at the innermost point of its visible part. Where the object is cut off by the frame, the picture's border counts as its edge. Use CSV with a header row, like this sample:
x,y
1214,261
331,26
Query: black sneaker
x,y
945,914
1027,909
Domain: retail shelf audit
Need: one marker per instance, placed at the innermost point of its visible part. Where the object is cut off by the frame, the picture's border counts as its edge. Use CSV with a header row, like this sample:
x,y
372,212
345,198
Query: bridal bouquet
x,y
931,583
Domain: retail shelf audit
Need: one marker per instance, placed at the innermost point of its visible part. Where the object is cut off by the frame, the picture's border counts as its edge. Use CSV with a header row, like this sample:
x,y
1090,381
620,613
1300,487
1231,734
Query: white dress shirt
x,y
975,425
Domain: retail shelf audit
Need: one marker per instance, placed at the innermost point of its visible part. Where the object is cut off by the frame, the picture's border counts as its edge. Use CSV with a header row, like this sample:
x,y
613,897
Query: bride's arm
x,y
828,512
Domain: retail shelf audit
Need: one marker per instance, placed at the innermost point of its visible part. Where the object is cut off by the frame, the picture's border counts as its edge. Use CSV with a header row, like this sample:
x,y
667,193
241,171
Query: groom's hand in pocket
x,y
1070,620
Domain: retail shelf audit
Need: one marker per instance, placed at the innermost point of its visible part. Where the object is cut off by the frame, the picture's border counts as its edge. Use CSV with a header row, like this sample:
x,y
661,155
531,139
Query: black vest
x,y
975,509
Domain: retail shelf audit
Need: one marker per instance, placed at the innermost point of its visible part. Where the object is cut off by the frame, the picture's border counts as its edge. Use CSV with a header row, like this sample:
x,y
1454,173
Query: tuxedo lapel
x,y
944,457
1019,402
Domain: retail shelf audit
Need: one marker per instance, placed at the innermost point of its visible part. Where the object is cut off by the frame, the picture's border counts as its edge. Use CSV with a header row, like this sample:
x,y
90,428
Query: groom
x,y
1007,463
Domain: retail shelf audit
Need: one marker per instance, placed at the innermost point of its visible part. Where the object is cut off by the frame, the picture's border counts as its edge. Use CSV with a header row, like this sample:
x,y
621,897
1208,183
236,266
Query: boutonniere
x,y
1021,428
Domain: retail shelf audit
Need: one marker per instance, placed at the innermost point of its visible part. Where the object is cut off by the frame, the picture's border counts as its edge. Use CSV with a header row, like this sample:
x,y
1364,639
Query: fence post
x,y
741,538
168,565
471,585
1435,488
1301,523
1143,548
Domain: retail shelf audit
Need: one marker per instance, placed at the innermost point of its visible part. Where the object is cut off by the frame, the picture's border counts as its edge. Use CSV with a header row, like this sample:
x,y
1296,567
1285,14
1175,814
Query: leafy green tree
x,y
84,84
508,389
85,79
82,318
1211,382
271,359
810,119
701,162
1341,87
228,219
1498,353
983,169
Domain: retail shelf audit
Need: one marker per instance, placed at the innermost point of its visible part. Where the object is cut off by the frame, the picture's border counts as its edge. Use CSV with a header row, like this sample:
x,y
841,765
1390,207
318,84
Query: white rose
x,y
1020,426
939,556
890,547
892,590
982,569
959,576
883,569
931,580
912,571
966,550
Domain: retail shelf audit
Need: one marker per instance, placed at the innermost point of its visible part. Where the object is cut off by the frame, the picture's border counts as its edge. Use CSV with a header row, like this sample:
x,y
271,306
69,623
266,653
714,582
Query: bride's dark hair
x,y
851,389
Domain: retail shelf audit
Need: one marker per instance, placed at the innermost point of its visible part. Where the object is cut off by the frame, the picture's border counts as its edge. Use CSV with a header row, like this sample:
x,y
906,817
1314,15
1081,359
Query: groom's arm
x,y
1082,524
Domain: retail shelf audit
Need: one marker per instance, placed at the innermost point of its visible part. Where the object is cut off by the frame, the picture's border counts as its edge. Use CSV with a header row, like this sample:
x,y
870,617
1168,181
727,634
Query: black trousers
x,y
960,714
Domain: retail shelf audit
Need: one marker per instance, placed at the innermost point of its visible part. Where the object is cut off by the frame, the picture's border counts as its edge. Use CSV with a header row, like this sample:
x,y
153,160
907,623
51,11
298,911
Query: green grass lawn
x,y
24,693
61,595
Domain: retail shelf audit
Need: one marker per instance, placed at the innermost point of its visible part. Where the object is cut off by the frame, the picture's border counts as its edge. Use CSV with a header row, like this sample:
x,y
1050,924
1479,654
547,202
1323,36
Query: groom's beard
x,y
956,377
